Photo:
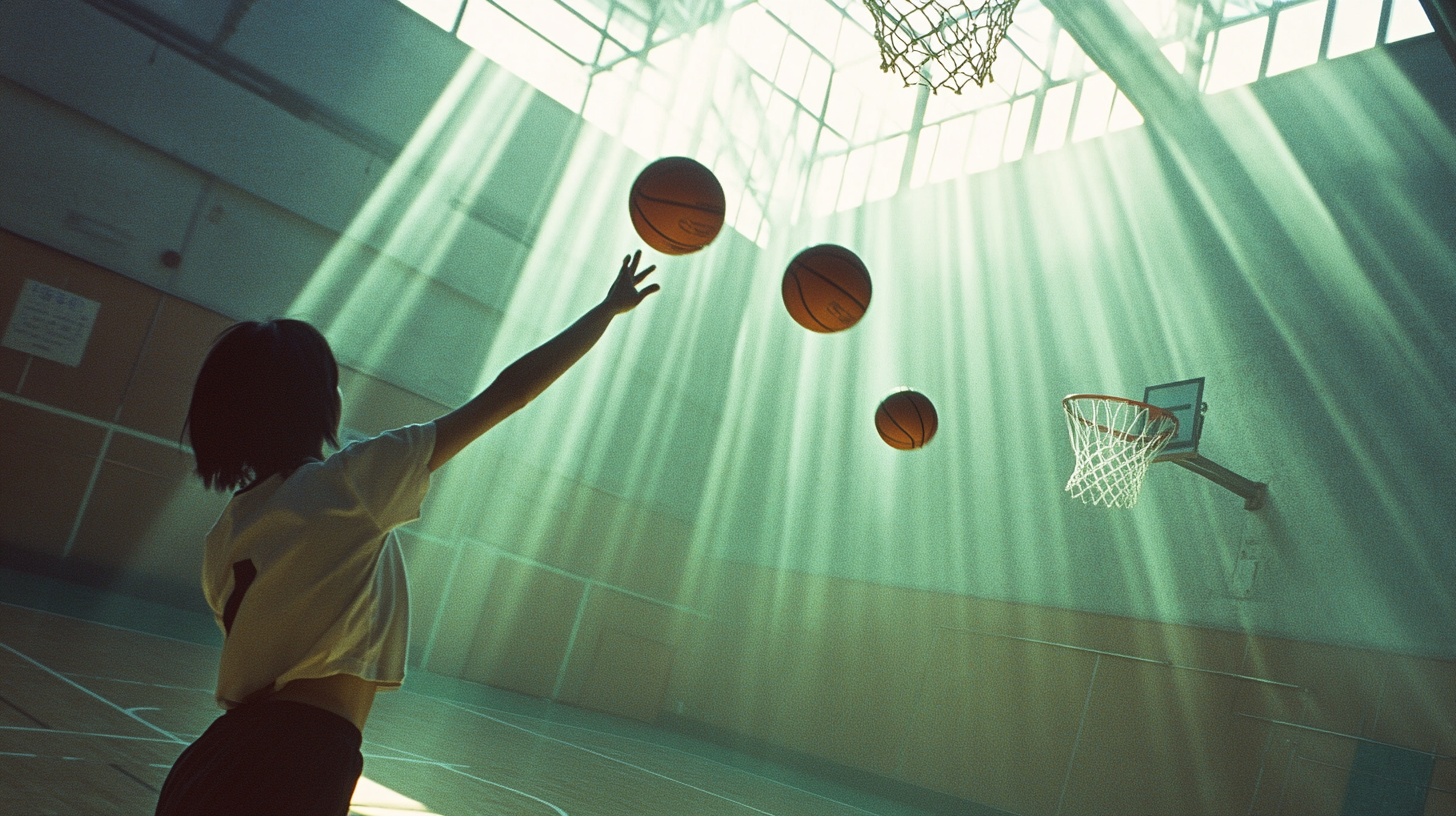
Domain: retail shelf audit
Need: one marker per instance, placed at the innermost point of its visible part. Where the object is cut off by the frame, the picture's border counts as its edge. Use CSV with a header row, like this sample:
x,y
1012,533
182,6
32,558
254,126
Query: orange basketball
x,y
826,288
677,205
906,420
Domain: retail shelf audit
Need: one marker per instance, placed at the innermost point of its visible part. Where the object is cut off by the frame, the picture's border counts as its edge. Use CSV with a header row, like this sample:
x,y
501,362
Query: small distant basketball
x,y
826,288
906,420
677,205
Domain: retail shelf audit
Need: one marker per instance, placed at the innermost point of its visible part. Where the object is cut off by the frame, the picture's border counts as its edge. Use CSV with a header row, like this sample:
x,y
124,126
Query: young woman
x,y
303,569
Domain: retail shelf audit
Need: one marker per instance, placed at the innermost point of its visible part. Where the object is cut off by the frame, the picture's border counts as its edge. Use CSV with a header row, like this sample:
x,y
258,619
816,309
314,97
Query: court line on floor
x,y
78,686
110,625
133,777
26,714
583,748
64,732
173,738
455,767
446,765
700,757
417,757
137,682
507,788
112,765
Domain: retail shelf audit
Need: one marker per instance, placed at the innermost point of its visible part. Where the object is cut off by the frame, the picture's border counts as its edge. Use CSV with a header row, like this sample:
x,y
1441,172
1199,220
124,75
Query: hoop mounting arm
x,y
1252,492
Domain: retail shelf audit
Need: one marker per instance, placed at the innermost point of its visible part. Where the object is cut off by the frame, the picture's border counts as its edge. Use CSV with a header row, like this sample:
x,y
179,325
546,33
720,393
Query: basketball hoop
x,y
960,38
1114,440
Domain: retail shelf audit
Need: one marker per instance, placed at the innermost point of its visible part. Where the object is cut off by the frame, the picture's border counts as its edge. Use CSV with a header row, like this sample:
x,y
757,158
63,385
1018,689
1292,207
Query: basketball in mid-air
x,y
826,288
677,205
906,420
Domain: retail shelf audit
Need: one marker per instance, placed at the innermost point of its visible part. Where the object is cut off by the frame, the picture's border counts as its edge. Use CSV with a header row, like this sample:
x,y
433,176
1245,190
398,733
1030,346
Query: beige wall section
x,y
487,497
161,386
1306,774
627,675
94,388
1159,740
624,653
146,516
1023,701
44,473
1441,801
525,626
133,520
1045,711
493,616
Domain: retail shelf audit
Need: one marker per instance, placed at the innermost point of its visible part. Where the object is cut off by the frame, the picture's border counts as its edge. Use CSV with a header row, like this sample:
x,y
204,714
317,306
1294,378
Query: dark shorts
x,y
271,757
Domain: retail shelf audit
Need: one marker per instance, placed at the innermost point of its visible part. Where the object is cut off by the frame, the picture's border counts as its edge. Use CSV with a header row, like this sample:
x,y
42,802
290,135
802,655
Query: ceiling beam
x,y
1117,41
1443,19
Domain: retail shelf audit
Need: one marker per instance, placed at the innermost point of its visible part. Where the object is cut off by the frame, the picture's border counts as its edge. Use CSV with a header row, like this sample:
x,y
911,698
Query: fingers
x,y
630,277
641,295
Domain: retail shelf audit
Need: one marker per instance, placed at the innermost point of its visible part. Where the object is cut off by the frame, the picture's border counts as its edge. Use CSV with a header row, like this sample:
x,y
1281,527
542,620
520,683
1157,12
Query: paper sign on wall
x,y
51,323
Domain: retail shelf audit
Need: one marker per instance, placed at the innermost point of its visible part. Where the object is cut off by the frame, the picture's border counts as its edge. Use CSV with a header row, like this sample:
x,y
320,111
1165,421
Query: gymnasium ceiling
x,y
844,133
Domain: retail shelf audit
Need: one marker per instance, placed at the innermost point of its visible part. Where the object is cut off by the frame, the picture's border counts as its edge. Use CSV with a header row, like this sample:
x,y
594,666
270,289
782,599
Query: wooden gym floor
x,y
93,714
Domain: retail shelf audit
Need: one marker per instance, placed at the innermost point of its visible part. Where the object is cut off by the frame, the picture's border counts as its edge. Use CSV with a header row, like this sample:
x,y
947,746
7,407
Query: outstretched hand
x,y
624,294
523,380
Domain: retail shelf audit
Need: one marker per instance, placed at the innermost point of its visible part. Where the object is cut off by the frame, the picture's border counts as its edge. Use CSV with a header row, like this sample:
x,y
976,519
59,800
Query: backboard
x,y
1184,400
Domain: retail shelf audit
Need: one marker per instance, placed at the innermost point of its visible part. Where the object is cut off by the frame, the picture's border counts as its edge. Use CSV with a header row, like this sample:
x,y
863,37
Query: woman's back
x,y
305,574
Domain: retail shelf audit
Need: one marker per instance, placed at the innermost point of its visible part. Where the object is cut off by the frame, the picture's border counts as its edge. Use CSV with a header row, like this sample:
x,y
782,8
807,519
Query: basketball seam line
x,y
697,207
676,243
862,307
908,435
914,405
896,423
807,310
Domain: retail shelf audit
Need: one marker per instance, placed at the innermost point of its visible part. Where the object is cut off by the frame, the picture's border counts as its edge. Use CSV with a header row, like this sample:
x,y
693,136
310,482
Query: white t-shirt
x,y
321,575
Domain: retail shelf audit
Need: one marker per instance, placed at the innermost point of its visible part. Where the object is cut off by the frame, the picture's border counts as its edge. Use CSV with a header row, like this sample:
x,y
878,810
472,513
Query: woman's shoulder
x,y
388,473
403,438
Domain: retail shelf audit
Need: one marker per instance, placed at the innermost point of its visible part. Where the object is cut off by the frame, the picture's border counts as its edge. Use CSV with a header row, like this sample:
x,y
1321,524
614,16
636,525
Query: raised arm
x,y
527,377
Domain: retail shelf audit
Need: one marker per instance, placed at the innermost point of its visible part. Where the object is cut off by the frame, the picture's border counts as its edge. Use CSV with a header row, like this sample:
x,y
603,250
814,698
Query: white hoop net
x,y
959,37
1114,440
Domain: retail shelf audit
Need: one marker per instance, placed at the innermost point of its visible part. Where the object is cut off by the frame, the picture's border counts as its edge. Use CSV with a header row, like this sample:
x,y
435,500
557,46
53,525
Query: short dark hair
x,y
265,402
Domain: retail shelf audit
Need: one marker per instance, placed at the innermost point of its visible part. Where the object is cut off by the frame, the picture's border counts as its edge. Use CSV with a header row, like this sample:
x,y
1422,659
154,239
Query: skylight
x,y
786,101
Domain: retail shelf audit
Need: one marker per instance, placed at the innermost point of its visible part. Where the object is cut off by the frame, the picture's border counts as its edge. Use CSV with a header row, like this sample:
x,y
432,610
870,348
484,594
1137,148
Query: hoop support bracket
x,y
1252,492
